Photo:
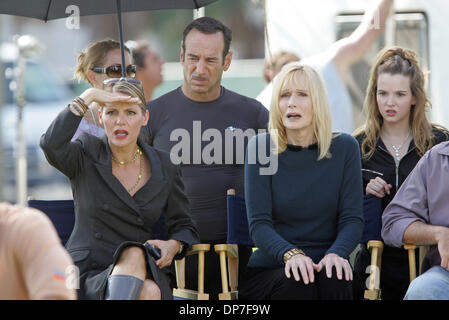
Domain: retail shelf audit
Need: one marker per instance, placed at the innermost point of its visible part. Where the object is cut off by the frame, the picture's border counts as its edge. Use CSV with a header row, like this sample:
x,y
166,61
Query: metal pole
x,y
20,147
265,28
120,33
2,84
390,29
199,13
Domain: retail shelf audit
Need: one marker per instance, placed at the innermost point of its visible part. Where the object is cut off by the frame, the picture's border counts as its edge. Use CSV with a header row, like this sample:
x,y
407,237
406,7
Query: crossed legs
x,y
128,279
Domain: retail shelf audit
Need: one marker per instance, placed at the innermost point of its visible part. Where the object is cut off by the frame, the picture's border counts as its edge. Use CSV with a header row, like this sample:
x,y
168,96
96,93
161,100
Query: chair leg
x,y
201,294
422,253
227,251
180,268
374,292
181,292
233,269
223,271
411,260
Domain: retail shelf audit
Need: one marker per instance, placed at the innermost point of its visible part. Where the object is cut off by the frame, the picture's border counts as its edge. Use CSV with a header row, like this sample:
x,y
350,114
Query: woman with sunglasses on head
x,y
305,216
120,186
100,61
396,134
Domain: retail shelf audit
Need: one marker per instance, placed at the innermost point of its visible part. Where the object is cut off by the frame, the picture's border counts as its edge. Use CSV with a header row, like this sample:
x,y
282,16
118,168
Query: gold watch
x,y
181,247
292,252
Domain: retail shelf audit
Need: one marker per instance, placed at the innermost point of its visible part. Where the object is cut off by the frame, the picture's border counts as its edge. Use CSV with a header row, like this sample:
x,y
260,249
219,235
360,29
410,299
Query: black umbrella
x,y
56,9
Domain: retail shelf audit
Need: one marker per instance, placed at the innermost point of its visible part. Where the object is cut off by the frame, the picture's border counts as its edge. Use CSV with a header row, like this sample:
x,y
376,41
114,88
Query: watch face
x,y
288,255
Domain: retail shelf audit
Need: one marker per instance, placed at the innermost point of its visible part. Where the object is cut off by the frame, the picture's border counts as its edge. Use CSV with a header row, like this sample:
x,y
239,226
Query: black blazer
x,y
106,215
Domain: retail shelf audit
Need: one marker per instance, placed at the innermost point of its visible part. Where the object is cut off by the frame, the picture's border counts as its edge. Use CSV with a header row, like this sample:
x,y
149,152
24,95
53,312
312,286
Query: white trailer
x,y
309,27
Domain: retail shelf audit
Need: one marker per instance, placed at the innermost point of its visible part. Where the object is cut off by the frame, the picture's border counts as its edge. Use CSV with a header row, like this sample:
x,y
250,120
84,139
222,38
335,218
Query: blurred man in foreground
x,y
34,264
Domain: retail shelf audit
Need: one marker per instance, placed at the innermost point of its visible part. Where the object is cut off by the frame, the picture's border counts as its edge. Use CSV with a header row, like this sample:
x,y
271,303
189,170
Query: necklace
x,y
139,177
397,149
137,153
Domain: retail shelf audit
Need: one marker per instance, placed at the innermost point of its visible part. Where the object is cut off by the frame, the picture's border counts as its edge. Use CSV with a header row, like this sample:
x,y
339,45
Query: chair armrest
x,y
181,291
197,248
230,249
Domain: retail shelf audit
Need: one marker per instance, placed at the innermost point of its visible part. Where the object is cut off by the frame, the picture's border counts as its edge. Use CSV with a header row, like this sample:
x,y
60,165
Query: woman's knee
x,y
132,256
150,291
289,288
131,261
333,288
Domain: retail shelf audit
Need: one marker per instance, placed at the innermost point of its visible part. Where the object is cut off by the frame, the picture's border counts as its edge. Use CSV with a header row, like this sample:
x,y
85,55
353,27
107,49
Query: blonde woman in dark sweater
x,y
305,217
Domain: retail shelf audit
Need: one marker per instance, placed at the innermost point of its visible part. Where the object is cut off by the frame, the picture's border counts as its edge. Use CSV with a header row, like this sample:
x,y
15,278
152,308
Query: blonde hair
x,y
397,60
321,119
133,89
94,56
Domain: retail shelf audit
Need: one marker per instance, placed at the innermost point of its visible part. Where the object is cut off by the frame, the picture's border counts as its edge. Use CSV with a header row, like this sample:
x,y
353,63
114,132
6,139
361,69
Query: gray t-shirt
x,y
208,140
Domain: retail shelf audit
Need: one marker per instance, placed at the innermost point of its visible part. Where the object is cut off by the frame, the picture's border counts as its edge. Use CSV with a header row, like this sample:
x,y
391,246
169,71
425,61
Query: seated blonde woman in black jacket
x,y
120,185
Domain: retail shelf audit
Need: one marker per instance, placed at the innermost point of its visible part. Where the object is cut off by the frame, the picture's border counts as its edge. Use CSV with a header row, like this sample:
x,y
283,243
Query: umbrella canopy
x,y
56,9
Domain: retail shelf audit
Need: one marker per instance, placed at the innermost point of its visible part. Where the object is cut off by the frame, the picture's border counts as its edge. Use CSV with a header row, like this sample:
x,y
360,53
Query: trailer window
x,y
410,31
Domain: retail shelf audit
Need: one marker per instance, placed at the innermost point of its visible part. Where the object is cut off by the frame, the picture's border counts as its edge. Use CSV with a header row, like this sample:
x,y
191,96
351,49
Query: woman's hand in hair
x,y
378,187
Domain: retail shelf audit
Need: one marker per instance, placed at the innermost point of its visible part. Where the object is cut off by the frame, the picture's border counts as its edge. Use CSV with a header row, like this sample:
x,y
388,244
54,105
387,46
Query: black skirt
x,y
93,282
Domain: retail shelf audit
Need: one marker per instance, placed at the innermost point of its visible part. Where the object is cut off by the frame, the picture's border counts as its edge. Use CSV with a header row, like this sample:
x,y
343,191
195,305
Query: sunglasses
x,y
115,71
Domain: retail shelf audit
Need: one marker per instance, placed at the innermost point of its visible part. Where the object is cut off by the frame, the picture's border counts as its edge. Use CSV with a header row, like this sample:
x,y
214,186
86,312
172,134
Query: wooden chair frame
x,y
229,267
376,248
181,291
229,270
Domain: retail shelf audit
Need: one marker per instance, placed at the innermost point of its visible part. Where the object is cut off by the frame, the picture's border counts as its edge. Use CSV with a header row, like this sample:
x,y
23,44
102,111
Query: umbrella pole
x,y
20,147
199,13
120,32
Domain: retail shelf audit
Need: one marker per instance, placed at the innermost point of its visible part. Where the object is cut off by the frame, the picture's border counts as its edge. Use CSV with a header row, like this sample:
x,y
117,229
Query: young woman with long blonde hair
x,y
396,134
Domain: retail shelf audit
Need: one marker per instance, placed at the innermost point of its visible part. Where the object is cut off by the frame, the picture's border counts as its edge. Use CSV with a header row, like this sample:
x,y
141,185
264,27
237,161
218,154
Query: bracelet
x,y
75,103
292,252
81,103
181,247
77,109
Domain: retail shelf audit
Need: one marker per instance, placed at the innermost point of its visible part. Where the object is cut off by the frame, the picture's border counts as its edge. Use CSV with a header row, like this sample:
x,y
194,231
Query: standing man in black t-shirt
x,y
206,128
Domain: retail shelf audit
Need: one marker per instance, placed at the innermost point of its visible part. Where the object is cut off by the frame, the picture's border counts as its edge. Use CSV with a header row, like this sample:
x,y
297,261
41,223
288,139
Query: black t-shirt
x,y
208,140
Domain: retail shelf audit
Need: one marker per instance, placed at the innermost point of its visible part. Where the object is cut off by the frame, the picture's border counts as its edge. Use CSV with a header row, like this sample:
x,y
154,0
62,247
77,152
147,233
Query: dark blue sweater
x,y
308,204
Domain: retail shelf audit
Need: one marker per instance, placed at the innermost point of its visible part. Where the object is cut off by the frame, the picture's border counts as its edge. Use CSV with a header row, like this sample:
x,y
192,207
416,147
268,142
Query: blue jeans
x,y
431,285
